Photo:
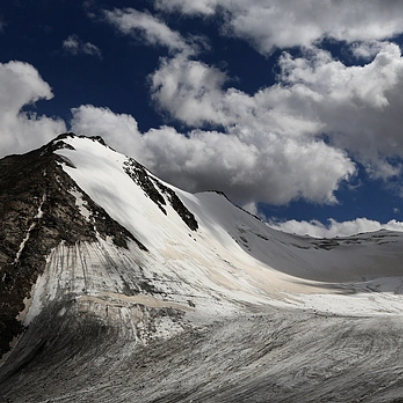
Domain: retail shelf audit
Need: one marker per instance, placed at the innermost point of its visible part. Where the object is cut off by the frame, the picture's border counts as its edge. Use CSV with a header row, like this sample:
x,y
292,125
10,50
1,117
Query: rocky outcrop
x,y
155,190
38,210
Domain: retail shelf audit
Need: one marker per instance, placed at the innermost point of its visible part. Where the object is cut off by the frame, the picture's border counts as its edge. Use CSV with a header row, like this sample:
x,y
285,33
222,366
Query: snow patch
x,y
81,204
38,216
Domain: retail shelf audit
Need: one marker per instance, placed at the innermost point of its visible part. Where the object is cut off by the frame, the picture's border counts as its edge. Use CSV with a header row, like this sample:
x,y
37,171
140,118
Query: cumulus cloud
x,y
206,7
118,130
75,46
189,90
147,27
295,139
359,106
285,139
288,23
201,160
21,131
366,50
259,154
335,229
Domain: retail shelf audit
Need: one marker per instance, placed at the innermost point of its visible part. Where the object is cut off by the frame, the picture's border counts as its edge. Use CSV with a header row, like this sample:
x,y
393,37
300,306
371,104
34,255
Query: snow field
x,y
233,257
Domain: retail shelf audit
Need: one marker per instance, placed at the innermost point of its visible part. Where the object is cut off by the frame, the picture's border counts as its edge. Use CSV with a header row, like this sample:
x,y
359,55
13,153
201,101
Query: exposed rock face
x,y
38,210
150,185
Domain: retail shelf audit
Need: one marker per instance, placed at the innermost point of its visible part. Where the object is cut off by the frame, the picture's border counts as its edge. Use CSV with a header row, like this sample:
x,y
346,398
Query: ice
x,y
233,256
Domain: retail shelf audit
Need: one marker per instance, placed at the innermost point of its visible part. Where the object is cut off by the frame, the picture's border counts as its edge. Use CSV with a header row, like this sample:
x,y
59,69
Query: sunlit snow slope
x,y
232,256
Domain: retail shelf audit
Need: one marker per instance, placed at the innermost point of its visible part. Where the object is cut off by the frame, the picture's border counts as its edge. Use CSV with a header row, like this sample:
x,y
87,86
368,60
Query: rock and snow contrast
x,y
118,287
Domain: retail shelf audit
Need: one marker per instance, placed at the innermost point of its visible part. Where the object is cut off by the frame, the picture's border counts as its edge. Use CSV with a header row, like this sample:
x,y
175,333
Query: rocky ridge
x,y
38,211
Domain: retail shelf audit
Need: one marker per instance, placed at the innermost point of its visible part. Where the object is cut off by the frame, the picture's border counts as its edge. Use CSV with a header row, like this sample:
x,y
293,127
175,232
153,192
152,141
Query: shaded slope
x,y
339,260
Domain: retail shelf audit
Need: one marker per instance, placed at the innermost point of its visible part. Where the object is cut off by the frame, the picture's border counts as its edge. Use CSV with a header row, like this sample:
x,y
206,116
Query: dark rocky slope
x,y
37,212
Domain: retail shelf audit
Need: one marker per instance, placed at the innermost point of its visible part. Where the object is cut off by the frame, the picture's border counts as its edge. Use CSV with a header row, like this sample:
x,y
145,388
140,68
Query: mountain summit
x,y
117,287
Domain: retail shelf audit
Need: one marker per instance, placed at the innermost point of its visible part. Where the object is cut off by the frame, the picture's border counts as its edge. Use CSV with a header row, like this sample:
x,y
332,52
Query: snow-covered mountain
x,y
118,287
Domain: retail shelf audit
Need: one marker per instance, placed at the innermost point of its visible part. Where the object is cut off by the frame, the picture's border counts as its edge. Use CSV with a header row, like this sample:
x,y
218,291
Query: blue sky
x,y
292,108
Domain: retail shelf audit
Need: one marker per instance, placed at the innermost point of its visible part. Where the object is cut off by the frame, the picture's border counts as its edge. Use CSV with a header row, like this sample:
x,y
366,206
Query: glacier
x,y
144,292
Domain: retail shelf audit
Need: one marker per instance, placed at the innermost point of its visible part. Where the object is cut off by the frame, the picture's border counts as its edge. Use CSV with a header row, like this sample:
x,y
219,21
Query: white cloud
x,y
289,158
75,46
21,131
248,162
335,229
275,171
356,107
149,28
189,90
207,7
359,106
295,139
288,23
119,131
366,50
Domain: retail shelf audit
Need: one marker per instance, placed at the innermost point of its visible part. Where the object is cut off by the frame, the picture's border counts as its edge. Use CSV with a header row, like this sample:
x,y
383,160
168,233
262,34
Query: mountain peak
x,y
41,207
71,135
101,261
60,141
